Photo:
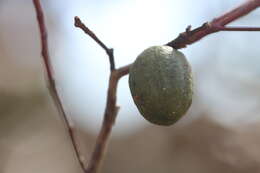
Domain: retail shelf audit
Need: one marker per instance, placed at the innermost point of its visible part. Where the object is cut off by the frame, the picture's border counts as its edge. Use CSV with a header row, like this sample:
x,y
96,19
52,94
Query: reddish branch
x,y
184,39
111,107
51,81
108,121
218,24
110,52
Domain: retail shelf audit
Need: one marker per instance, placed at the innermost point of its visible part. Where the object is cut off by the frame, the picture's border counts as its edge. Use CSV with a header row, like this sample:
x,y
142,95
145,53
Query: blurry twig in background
x,y
184,39
51,81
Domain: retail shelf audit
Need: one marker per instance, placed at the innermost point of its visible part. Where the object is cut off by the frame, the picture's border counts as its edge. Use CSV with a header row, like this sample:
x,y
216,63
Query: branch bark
x,y
111,107
110,52
184,39
51,81
108,122
218,24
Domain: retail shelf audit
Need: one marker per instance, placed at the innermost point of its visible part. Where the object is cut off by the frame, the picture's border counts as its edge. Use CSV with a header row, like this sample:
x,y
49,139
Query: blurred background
x,y
220,133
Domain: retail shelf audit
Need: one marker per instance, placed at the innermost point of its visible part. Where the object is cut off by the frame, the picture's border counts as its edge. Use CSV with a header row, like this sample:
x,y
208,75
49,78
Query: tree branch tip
x,y
77,21
189,36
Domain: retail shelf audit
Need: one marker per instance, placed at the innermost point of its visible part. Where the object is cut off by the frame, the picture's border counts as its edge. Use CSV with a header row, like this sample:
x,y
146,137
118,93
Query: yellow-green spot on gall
x,y
160,81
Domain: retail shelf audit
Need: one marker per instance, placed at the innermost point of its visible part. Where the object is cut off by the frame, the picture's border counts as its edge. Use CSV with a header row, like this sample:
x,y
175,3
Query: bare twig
x,y
51,81
223,28
184,39
218,24
188,37
111,108
110,52
109,120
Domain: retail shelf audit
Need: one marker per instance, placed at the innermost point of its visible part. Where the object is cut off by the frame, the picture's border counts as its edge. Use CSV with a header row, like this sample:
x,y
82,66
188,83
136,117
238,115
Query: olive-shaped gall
x,y
161,84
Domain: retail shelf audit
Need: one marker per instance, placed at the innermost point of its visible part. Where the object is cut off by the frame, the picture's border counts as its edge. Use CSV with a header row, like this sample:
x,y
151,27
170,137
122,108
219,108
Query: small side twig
x,y
110,52
184,39
51,81
111,107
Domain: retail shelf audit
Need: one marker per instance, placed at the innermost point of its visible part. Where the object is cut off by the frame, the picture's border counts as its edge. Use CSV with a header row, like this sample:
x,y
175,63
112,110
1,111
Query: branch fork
x,y
186,38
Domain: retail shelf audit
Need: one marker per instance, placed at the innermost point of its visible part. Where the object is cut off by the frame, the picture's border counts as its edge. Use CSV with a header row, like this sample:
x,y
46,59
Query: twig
x,y
222,28
110,52
218,24
109,120
184,39
51,81
111,108
188,37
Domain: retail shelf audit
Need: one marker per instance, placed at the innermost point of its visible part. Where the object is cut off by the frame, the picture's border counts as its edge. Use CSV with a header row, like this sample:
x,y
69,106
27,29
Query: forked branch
x,y
188,37
184,39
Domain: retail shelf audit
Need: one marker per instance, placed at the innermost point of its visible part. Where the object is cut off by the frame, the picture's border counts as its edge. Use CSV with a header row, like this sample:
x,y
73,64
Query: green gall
x,y
160,81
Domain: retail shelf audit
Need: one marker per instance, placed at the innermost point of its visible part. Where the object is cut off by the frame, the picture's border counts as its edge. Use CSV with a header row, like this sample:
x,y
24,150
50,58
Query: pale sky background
x,y
225,67
129,27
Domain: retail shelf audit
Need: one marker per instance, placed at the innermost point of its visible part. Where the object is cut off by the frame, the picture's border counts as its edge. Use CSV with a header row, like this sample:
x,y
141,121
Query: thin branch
x,y
123,70
184,39
108,121
223,28
111,108
191,36
242,10
110,52
188,37
50,79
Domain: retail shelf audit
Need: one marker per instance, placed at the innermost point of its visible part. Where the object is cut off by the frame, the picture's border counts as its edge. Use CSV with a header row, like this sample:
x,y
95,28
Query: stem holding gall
x,y
188,37
218,24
